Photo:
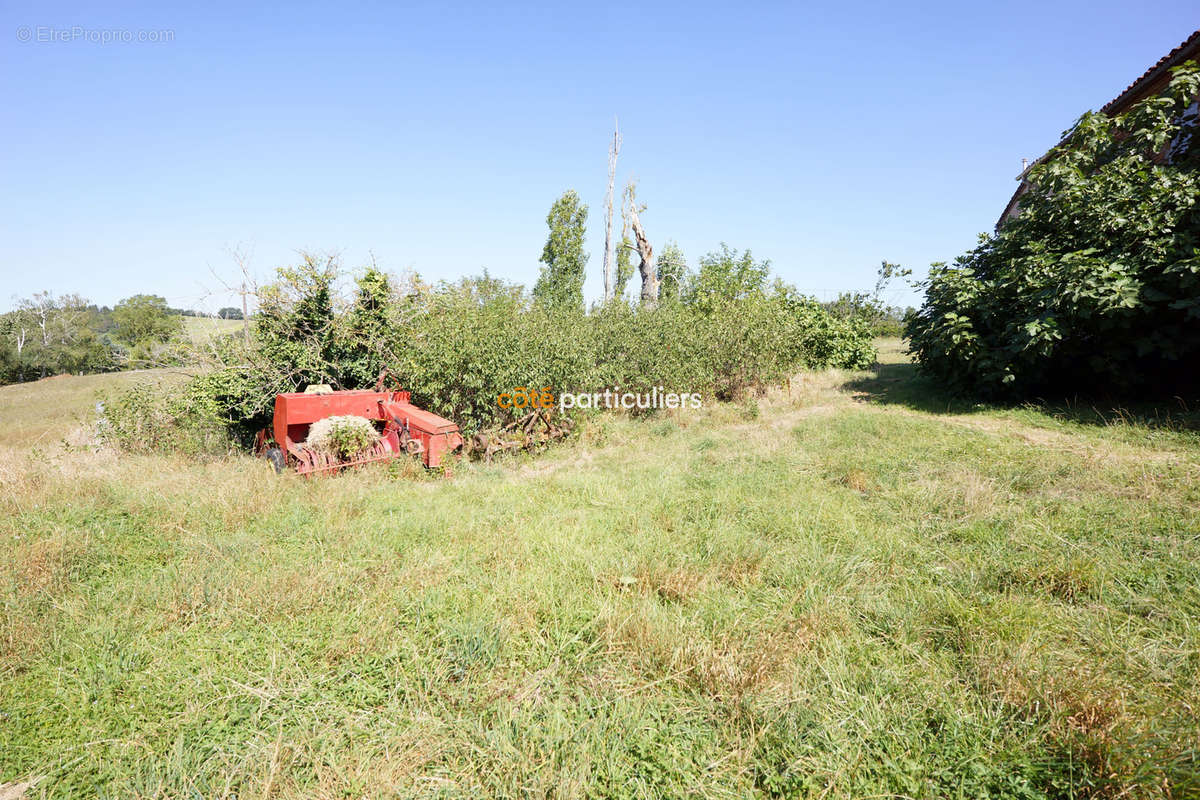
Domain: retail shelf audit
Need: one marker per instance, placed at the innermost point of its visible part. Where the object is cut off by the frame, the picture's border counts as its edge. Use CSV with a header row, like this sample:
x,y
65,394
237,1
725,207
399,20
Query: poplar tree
x,y
560,284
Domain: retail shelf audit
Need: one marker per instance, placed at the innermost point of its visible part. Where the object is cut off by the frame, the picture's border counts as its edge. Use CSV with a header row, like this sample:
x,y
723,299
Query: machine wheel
x,y
275,456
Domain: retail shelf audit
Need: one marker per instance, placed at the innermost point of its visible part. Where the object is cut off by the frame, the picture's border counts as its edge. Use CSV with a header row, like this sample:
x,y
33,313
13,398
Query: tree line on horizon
x,y
47,335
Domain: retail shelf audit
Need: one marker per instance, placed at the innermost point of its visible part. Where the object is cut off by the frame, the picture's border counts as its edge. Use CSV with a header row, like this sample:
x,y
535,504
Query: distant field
x,y
853,588
42,413
201,329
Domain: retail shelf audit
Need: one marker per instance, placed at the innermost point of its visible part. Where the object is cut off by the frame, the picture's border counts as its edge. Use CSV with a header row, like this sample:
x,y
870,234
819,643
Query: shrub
x,y
881,319
153,417
343,436
1096,284
459,347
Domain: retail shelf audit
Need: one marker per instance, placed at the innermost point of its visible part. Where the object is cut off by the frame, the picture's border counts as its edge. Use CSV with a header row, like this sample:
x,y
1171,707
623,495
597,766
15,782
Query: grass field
x,y
41,414
849,589
201,329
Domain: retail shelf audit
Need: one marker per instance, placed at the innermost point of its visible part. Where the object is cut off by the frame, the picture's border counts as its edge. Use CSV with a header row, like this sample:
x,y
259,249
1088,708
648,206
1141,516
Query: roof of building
x,y
1151,81
1159,73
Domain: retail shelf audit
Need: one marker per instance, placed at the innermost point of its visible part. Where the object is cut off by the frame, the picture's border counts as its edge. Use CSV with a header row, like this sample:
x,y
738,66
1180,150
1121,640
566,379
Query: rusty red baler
x,y
404,429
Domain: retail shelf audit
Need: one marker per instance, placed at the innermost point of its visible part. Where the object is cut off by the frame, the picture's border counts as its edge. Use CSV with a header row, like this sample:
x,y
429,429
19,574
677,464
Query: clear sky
x,y
824,137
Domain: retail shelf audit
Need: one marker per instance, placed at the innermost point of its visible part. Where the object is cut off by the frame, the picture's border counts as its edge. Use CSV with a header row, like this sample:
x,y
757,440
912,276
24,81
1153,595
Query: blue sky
x,y
435,136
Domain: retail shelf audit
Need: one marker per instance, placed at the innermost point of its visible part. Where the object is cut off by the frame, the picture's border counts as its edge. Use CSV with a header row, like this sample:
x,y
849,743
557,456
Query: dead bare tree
x,y
247,287
243,262
19,334
613,150
644,249
40,307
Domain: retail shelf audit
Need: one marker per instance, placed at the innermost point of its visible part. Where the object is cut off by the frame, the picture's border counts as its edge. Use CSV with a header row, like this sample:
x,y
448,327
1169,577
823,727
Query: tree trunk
x,y
245,316
613,150
646,267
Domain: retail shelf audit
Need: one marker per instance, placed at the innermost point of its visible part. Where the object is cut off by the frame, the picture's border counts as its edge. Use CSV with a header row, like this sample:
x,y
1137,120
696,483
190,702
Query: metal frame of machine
x,y
406,430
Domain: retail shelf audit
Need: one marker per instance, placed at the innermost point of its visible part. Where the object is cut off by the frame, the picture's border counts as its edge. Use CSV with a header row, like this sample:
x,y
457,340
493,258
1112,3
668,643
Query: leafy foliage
x,y
725,277
145,319
461,345
144,330
149,417
624,266
342,436
672,272
563,260
1095,286
881,318
48,335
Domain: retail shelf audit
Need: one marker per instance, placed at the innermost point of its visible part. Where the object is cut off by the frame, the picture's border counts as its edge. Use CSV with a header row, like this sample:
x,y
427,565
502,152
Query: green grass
x,y
847,593
202,329
43,413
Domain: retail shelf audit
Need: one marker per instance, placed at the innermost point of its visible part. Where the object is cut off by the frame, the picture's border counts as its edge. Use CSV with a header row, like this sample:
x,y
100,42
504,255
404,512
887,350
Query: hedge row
x,y
459,347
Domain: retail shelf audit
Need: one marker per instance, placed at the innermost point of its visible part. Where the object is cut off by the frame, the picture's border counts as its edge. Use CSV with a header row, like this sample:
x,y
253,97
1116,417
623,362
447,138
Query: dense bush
x,y
458,347
1095,286
150,417
880,318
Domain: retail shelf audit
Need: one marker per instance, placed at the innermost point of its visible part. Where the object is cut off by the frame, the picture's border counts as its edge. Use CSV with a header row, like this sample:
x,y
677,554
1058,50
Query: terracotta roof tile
x,y
1188,48
1171,59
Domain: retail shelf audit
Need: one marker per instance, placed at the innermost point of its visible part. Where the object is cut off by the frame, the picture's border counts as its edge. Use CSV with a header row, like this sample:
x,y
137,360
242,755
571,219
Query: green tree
x,y
229,313
560,284
48,335
726,276
881,318
362,349
672,271
145,319
624,267
295,322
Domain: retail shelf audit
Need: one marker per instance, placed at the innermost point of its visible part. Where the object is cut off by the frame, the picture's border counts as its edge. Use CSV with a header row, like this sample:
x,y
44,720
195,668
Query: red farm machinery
x,y
402,429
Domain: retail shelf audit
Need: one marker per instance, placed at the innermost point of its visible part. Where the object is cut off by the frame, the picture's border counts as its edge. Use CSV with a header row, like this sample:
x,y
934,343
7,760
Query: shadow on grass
x,y
901,385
